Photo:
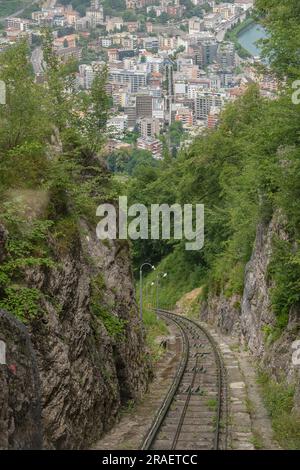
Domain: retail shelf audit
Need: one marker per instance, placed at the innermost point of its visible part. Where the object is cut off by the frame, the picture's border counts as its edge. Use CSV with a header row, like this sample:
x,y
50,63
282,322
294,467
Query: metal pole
x,y
157,287
141,287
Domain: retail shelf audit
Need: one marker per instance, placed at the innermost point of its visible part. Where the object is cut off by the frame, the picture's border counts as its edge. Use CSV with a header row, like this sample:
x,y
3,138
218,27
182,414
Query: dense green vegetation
x,y
7,7
281,19
79,5
130,161
245,172
278,398
237,172
50,171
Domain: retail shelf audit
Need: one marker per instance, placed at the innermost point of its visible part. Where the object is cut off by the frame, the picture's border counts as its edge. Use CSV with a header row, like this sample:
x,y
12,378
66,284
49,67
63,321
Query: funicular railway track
x,y
193,415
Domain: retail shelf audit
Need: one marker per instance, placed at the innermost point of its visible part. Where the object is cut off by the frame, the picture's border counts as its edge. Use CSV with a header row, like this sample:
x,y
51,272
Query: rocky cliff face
x,y
89,360
248,316
20,394
224,313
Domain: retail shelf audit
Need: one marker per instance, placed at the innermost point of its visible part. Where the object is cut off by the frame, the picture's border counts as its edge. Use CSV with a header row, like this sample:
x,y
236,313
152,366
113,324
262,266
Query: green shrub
x,y
23,302
284,272
279,401
114,325
66,233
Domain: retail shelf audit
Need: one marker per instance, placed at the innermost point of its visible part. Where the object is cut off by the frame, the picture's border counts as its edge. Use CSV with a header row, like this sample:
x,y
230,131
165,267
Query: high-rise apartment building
x,y
208,53
134,78
149,127
205,101
226,56
144,105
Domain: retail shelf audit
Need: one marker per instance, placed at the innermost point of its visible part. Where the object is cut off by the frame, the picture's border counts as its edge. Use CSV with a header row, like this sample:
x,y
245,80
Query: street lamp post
x,y
157,287
151,293
141,287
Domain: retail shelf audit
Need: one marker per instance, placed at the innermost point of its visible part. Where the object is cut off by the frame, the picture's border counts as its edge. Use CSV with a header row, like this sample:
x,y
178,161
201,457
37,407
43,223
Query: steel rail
x,y
221,387
163,410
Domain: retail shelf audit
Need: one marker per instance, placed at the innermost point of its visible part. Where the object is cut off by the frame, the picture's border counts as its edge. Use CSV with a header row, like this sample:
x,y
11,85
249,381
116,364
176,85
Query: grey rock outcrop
x,y
255,315
227,319
20,394
86,373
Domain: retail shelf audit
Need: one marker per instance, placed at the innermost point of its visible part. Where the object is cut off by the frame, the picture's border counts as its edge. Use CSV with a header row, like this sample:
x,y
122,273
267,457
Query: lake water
x,y
249,36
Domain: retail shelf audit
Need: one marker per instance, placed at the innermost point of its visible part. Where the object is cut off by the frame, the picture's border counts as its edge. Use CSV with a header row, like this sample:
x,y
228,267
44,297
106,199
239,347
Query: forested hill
x,y
79,5
245,281
8,7
244,172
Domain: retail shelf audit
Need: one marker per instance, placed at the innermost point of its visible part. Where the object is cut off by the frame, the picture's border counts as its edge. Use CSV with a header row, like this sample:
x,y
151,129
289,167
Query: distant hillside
x,y
8,7
79,5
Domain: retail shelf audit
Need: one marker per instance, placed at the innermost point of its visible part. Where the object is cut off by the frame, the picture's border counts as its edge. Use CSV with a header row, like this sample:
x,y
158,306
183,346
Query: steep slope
x,y
251,316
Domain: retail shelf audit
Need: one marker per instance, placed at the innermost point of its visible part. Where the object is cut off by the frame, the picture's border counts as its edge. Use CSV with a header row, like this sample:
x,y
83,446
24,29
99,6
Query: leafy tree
x,y
22,118
130,162
51,173
129,15
281,47
163,18
244,172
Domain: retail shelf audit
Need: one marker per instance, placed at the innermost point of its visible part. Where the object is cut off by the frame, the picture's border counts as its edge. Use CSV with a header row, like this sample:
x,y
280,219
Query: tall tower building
x,y
144,105
169,98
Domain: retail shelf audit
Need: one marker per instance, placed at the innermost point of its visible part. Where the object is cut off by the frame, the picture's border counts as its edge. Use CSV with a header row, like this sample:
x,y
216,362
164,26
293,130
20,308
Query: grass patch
x,y
128,408
257,441
184,274
212,404
279,401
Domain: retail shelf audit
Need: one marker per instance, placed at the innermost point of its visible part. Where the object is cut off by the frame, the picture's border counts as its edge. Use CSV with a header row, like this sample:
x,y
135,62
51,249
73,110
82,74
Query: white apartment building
x,y
158,110
150,42
95,17
180,88
87,74
204,101
154,64
134,78
18,23
195,25
212,20
106,42
117,125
